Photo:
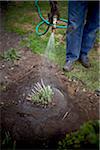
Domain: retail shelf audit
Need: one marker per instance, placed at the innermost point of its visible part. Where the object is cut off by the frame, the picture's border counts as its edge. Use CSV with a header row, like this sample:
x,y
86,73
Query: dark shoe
x,y
68,66
85,61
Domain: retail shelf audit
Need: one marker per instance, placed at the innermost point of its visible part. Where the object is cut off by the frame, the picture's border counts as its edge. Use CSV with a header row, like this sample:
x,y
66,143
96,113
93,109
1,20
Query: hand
x,y
54,11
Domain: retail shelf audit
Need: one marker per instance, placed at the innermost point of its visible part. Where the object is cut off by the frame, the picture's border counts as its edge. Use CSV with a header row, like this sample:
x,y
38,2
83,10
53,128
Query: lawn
x,y
22,18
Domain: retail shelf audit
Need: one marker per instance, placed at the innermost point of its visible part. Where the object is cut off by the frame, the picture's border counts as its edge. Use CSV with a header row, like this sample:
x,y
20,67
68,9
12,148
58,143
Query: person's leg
x,y
90,28
76,16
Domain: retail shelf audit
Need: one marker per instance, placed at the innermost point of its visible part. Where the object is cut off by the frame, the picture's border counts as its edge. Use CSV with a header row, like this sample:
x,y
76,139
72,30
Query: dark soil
x,y
32,125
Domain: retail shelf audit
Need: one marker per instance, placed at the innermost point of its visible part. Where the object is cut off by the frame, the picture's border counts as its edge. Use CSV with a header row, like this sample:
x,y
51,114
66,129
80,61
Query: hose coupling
x,y
54,22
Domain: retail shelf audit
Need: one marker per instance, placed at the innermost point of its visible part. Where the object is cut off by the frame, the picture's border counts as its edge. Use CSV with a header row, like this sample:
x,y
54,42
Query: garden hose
x,y
46,21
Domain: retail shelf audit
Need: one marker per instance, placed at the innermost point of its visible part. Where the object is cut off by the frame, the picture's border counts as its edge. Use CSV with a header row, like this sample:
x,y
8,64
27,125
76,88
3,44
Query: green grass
x,y
23,18
89,76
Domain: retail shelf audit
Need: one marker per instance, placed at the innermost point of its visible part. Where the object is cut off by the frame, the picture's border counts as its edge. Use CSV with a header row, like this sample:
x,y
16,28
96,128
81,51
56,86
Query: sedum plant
x,y
41,93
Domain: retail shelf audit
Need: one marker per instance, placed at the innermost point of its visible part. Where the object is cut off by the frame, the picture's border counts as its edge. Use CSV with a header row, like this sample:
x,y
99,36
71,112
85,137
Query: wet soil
x,y
32,125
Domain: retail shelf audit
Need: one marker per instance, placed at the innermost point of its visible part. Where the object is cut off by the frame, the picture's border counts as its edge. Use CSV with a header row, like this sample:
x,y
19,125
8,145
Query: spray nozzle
x,y
54,22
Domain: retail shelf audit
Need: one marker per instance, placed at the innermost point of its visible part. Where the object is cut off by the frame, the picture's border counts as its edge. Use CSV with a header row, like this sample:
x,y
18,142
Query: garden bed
x,y
32,125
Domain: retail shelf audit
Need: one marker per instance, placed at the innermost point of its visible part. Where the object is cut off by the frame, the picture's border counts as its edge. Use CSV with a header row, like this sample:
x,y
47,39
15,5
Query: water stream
x,y
48,54
50,46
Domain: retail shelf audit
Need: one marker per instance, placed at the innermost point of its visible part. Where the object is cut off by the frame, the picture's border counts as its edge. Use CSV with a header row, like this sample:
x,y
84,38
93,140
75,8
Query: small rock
x,y
70,80
12,68
6,77
3,65
28,98
23,94
84,90
53,104
77,90
97,92
74,79
62,73
1,103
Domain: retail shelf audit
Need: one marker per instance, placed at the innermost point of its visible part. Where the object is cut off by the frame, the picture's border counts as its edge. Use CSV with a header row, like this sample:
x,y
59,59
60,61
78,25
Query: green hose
x,y
46,21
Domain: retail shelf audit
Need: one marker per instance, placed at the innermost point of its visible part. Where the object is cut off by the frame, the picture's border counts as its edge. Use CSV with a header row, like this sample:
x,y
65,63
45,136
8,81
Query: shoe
x,y
85,61
68,66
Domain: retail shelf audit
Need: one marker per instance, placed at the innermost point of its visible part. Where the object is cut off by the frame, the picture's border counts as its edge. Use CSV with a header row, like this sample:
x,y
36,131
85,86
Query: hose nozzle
x,y
54,23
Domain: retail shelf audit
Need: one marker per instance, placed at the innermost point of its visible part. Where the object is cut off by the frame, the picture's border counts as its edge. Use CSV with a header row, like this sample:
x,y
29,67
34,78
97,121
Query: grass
x,y
23,18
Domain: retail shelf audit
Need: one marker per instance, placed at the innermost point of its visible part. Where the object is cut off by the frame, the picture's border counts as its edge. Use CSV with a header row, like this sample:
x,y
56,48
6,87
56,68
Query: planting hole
x,y
43,94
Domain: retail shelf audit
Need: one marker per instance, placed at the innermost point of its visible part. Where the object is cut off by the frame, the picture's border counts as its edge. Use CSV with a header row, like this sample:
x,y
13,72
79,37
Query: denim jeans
x,y
83,22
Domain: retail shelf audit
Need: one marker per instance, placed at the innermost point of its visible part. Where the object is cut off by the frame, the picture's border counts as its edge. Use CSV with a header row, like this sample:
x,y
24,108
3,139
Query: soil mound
x,y
30,124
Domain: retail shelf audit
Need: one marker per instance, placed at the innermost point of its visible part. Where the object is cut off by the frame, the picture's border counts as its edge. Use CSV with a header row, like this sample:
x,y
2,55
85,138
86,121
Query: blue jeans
x,y
83,22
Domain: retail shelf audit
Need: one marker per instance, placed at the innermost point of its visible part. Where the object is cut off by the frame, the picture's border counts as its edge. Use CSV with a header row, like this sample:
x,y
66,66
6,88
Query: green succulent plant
x,y
41,93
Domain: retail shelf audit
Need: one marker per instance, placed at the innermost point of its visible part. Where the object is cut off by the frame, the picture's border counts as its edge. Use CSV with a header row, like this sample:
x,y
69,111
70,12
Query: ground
x,y
77,101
